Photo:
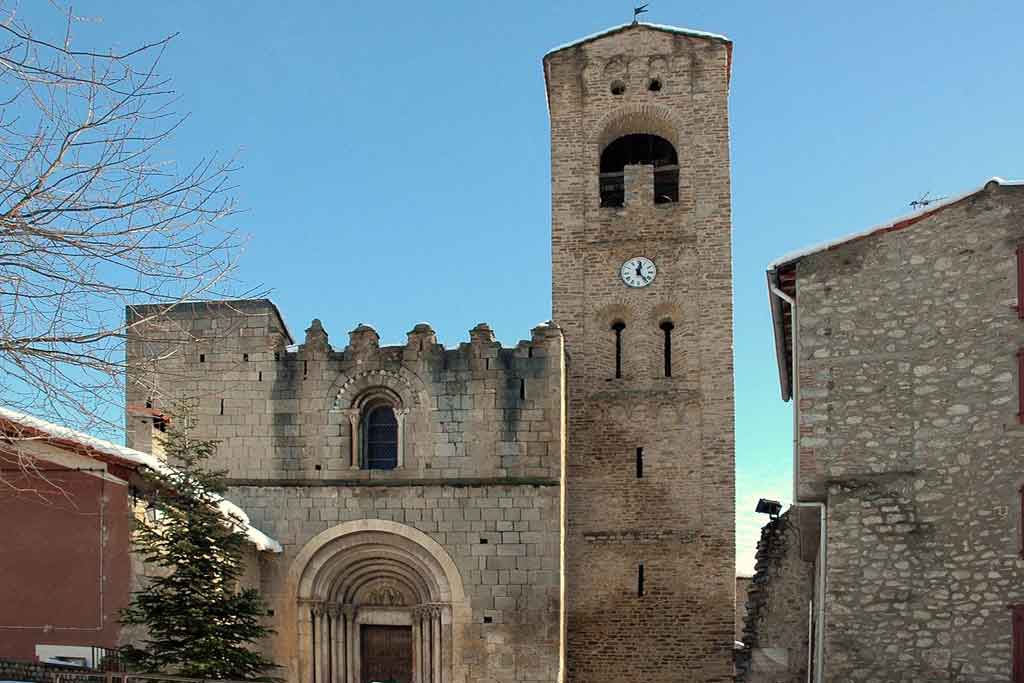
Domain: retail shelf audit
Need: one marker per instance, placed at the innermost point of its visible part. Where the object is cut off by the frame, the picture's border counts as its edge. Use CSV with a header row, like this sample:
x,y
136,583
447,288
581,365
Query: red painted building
x,y
66,508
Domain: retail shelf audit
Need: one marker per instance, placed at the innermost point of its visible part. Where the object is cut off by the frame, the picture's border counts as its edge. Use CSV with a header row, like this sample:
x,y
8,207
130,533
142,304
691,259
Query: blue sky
x,y
395,161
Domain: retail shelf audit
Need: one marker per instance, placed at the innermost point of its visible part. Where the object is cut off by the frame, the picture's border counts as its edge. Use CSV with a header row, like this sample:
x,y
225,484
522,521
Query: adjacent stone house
x,y
561,509
900,348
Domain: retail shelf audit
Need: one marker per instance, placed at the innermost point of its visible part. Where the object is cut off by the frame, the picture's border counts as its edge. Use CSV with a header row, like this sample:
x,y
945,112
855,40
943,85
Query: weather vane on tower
x,y
637,11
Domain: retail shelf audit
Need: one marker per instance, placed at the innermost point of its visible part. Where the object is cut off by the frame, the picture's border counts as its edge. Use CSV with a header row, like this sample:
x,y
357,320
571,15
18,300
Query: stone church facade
x,y
558,510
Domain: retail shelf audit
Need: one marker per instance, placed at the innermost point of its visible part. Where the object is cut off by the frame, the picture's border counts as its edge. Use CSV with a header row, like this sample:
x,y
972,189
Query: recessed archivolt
x,y
404,387
649,118
339,564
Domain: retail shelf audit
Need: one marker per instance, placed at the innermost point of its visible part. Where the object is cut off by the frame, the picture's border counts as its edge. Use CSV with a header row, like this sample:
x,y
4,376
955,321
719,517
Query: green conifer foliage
x,y
200,623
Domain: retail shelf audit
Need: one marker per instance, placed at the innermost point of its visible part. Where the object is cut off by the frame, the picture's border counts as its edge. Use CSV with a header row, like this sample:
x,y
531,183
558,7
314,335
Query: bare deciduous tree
x,y
93,217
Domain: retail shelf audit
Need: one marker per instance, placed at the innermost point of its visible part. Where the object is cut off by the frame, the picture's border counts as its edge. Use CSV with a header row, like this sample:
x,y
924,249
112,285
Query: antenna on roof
x,y
924,201
637,11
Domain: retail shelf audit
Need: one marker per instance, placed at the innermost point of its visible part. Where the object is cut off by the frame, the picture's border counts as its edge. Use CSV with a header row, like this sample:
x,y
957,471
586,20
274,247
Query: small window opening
x,y
640,580
202,358
488,620
617,87
381,438
160,423
259,376
639,149
149,403
270,612
640,463
277,355
654,85
618,327
667,328
483,541
317,467
487,363
245,358
529,352
522,389
222,406
305,368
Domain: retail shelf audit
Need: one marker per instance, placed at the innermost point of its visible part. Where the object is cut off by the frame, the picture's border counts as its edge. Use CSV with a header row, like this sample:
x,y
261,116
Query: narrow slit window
x,y
202,358
1020,387
618,328
640,580
245,358
1017,616
522,389
1020,521
666,328
640,463
1020,281
222,406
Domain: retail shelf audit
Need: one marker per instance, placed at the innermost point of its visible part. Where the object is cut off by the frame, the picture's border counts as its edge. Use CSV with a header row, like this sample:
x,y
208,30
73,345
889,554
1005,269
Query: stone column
x,y
317,610
357,646
400,414
306,628
435,655
423,616
417,648
353,420
323,645
350,639
332,645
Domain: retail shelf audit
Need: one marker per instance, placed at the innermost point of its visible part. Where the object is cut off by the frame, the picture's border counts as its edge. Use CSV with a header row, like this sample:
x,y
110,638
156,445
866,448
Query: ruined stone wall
x,y
676,520
908,409
481,459
775,629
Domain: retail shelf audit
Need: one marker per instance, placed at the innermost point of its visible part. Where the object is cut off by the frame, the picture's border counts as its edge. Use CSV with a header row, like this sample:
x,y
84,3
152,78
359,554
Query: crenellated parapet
x,y
479,409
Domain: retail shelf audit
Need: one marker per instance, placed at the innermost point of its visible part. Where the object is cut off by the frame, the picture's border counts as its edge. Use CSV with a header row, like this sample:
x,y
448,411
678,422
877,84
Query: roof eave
x,y
775,304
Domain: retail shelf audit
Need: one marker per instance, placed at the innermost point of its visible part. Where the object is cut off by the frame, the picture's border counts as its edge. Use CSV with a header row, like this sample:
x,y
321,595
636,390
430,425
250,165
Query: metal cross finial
x,y
637,11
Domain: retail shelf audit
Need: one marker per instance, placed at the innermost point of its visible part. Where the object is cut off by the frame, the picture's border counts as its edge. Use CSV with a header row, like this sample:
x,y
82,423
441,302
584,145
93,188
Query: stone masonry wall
x,y
482,456
775,629
908,406
676,520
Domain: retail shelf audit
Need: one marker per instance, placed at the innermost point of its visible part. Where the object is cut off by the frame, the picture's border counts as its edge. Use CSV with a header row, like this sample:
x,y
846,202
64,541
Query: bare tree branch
x,y
95,217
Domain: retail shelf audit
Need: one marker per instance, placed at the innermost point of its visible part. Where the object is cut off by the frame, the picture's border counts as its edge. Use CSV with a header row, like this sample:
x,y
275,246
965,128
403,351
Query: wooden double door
x,y
386,654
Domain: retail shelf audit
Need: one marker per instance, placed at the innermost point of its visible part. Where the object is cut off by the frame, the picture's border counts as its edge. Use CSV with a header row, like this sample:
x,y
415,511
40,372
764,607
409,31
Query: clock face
x,y
638,271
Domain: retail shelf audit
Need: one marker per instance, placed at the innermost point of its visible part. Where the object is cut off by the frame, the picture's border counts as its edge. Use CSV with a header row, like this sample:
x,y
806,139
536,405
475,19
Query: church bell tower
x,y
642,289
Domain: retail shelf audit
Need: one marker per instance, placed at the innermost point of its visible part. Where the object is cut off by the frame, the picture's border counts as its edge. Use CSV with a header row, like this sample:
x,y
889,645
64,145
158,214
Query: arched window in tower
x,y
634,149
666,328
380,438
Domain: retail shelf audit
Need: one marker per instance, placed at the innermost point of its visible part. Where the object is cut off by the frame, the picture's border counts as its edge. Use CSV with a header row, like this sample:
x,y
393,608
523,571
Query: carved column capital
x,y
318,607
334,609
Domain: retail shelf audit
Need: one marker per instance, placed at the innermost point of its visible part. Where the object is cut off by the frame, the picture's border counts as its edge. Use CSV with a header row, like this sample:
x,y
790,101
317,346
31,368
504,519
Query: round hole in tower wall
x,y
618,87
654,85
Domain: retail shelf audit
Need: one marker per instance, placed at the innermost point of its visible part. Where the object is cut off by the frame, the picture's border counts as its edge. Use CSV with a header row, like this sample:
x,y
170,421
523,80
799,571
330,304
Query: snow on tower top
x,y
622,27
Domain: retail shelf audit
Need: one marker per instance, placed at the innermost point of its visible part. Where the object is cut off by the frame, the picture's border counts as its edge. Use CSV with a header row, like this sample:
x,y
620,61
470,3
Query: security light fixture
x,y
772,508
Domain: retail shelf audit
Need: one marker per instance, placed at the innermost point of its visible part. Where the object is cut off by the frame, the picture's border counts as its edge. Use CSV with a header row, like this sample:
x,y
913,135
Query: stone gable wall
x,y
908,406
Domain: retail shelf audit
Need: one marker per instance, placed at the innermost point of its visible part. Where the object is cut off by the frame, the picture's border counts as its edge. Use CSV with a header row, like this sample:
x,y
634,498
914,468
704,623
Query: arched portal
x,y
377,600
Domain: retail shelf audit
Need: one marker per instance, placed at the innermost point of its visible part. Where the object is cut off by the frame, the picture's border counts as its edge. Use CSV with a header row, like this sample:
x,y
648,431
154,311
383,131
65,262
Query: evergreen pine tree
x,y
200,624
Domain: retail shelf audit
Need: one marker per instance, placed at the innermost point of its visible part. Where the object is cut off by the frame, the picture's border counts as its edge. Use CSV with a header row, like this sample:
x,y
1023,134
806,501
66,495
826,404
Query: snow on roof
x,y
660,27
885,227
134,457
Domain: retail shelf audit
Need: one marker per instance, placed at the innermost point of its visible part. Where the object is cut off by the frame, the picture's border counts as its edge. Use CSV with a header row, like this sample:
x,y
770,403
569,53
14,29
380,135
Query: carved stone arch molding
x,y
373,572
401,388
